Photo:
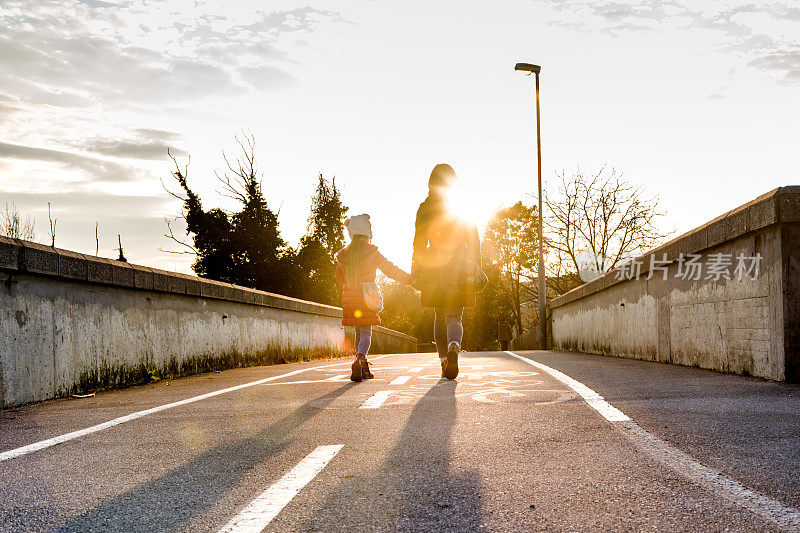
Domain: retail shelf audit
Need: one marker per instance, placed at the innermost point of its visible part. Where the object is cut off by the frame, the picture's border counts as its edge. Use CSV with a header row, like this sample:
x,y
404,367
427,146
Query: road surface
x,y
524,441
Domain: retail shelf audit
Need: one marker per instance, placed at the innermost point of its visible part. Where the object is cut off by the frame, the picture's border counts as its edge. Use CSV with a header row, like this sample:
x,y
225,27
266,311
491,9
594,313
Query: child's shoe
x,y
357,368
450,365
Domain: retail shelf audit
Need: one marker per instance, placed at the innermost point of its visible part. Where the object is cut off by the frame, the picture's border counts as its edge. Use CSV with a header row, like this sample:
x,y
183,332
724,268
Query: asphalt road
x,y
508,446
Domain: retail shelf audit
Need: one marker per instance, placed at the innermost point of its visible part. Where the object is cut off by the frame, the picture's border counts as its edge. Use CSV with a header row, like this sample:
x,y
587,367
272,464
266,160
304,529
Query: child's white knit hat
x,y
359,225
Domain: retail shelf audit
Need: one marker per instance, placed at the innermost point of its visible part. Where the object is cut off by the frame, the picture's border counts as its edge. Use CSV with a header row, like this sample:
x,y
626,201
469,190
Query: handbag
x,y
372,296
463,276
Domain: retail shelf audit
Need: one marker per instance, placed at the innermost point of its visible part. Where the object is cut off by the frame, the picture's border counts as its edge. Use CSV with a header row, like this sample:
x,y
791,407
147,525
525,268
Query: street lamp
x,y
536,69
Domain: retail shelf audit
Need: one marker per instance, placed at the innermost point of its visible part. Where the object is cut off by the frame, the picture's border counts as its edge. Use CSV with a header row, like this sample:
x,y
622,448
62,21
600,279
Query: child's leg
x,y
358,365
363,339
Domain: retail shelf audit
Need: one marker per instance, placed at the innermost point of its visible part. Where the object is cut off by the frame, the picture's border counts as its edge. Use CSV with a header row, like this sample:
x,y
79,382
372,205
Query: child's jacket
x,y
354,310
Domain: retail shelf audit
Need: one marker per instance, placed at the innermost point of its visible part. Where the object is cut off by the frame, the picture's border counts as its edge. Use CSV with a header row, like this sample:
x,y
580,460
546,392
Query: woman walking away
x,y
447,265
361,300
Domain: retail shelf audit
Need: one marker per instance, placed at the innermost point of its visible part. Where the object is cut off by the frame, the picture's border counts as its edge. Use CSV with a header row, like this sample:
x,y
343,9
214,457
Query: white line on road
x,y
609,412
417,369
376,400
400,380
255,517
16,452
767,508
340,377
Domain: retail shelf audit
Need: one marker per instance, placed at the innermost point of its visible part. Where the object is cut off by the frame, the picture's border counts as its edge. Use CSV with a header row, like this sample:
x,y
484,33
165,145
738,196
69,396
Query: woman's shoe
x,y
357,368
450,370
365,372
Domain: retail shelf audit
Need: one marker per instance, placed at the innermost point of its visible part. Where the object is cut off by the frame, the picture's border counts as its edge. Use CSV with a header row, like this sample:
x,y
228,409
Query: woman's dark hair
x,y
442,177
354,254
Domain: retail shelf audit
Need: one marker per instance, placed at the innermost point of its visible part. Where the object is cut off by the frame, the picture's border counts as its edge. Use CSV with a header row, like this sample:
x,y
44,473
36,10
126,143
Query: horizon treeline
x,y
245,247
598,214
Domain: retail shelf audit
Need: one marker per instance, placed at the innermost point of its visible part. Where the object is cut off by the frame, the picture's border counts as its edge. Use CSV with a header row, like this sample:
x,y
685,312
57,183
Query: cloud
x,y
138,219
160,135
300,19
97,169
757,46
141,143
6,110
81,54
89,205
129,149
266,77
783,62
627,26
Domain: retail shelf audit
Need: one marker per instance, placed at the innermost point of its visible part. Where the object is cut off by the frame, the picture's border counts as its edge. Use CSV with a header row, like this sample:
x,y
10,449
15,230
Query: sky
x,y
697,102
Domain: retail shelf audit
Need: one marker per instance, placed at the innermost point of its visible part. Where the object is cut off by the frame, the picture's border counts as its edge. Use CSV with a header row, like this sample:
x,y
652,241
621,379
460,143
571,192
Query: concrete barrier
x,y
72,323
746,324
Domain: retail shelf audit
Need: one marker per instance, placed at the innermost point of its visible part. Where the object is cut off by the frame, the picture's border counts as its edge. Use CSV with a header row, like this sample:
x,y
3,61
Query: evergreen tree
x,y
245,247
212,246
316,257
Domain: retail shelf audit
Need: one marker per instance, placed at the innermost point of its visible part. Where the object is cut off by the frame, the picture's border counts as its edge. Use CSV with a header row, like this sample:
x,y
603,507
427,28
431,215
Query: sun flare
x,y
468,205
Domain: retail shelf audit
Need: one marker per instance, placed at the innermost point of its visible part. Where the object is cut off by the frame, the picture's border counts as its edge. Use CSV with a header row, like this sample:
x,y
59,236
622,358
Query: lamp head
x,y
528,68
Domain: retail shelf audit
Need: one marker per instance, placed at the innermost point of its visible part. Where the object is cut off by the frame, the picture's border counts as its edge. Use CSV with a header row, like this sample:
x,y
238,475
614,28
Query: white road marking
x,y
376,400
36,446
771,510
255,517
400,380
609,412
417,369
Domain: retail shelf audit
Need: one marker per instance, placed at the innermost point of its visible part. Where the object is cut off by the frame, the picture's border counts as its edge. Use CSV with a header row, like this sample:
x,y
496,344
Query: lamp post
x,y
536,69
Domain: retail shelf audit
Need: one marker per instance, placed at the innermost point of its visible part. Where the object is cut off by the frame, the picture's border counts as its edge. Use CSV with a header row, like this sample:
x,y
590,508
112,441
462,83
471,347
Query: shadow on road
x,y
416,488
168,502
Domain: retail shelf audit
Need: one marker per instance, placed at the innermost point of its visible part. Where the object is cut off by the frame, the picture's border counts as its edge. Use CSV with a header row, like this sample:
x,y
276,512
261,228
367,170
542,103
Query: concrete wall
x,y
746,326
71,323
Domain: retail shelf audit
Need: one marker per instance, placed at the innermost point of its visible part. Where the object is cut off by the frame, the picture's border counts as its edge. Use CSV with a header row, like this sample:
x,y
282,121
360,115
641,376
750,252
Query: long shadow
x,y
168,502
416,487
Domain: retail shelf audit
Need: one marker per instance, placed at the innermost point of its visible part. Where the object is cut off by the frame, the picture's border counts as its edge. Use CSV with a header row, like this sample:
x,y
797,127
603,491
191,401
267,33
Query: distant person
x,y
504,334
356,266
446,265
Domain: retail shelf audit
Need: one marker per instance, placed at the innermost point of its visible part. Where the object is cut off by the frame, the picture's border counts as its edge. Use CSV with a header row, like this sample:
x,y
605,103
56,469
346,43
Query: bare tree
x,y
181,175
603,214
12,225
53,223
243,171
511,243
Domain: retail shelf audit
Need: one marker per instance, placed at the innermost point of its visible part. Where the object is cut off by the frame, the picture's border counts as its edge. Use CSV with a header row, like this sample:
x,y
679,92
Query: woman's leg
x,y
455,330
440,331
363,339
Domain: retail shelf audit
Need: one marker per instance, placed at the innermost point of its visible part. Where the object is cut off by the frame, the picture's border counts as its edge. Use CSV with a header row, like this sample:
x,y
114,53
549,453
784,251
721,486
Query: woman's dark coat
x,y
442,240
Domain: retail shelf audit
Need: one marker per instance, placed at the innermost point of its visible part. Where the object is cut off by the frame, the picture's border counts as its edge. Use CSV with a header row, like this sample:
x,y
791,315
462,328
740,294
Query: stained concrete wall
x,y
73,323
746,326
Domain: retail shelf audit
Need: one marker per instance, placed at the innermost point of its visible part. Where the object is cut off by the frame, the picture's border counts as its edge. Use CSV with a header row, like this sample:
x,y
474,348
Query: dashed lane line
x,y
260,512
784,517
41,445
417,369
400,380
376,400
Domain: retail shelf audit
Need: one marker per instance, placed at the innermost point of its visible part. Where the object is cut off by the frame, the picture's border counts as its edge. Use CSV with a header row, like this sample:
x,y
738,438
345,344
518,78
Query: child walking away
x,y
361,301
